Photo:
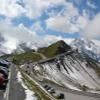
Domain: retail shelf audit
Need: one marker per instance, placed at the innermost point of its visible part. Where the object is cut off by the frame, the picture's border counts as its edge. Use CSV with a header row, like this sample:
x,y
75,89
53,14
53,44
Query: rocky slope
x,y
88,47
70,69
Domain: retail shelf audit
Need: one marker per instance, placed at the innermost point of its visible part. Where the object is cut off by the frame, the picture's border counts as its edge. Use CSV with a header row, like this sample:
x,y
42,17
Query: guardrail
x,y
50,97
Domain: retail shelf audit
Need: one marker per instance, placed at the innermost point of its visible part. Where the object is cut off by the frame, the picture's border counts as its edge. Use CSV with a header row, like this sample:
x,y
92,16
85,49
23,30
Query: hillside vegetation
x,y
46,52
54,49
26,57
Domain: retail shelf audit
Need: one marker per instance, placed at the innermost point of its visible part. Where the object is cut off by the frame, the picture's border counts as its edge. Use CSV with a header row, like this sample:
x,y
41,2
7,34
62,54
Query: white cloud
x,y
10,8
81,22
34,8
10,44
68,20
90,4
21,33
78,2
14,35
49,39
61,24
37,27
92,30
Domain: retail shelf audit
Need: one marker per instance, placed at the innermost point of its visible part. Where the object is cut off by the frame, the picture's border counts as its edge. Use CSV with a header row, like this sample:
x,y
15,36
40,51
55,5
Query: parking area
x,y
4,72
52,91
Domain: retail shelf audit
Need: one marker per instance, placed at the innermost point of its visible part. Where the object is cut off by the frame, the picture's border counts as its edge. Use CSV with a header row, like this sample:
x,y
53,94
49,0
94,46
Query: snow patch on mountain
x,y
29,94
89,47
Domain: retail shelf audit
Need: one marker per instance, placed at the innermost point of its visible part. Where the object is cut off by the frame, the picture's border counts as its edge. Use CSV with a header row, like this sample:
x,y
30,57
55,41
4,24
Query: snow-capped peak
x,y
90,47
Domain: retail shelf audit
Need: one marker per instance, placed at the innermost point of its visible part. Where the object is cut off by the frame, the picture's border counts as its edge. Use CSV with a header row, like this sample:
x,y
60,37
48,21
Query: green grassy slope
x,y
26,57
46,52
54,49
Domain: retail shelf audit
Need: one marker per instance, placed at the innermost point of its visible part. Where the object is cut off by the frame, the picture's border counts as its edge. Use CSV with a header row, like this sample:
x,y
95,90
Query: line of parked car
x,y
4,71
53,92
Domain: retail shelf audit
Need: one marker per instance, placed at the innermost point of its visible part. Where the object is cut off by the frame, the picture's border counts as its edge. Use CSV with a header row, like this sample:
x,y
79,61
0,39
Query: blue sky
x,y
91,9
49,18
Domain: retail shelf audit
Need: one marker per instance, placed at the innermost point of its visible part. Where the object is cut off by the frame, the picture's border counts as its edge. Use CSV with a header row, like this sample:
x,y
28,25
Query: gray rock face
x,y
88,47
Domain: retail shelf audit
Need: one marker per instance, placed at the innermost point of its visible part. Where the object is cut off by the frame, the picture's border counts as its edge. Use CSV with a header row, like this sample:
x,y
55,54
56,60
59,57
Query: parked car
x,y
49,89
1,78
3,82
52,91
4,72
61,96
4,63
45,86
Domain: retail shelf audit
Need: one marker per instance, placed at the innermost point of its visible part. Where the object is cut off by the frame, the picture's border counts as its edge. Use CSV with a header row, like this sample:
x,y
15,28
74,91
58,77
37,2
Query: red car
x,y
2,79
3,82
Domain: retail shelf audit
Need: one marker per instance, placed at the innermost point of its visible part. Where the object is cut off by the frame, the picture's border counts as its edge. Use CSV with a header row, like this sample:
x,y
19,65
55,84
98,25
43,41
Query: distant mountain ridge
x,y
21,48
51,51
87,47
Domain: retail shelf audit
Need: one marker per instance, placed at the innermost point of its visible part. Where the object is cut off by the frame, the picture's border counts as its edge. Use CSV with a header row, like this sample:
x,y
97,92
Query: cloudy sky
x,y
45,21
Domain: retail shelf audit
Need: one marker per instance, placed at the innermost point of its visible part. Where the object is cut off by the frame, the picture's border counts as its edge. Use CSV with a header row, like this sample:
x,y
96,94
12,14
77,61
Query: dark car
x,y
4,63
1,79
45,86
61,96
52,91
3,82
48,88
4,72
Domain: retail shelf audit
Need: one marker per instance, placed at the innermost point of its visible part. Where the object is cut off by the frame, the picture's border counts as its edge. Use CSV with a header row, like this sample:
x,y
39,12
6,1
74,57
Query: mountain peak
x,y
88,47
55,49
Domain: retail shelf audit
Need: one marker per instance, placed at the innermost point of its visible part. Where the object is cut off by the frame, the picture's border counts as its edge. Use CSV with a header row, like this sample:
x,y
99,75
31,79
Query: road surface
x,y
2,95
72,94
15,91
